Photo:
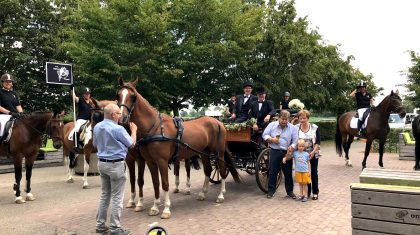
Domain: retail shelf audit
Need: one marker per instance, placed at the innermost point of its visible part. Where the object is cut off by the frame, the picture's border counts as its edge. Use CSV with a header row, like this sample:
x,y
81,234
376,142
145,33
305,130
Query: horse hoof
x,y
153,212
30,197
201,197
19,200
139,208
176,190
220,200
85,186
70,181
130,205
165,215
187,192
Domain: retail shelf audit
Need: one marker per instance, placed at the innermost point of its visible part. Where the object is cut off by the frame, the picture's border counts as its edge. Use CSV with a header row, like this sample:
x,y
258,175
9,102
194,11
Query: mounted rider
x,y
364,101
84,107
284,104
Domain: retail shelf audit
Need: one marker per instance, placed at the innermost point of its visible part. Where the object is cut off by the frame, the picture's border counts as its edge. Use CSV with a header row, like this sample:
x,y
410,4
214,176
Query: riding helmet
x,y
7,77
86,90
286,93
362,84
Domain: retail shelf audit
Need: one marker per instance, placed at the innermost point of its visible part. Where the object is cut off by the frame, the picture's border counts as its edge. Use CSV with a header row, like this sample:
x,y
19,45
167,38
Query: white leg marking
x,y
221,197
130,203
140,205
202,194
188,188
176,190
85,171
30,197
155,208
166,214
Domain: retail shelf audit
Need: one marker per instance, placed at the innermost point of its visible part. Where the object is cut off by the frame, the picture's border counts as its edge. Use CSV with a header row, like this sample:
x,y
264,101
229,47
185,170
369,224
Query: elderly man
x,y
282,137
240,112
112,142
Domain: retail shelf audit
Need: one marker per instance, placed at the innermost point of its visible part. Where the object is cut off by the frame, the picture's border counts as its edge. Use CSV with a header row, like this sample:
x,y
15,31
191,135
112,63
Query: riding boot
x,y
359,126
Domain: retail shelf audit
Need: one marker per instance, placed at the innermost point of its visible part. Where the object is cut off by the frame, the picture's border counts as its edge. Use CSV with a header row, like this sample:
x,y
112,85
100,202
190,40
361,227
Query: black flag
x,y
59,73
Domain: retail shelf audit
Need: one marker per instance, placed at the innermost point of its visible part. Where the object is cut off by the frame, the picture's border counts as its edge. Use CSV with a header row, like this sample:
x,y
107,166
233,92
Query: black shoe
x,y
270,195
102,229
120,231
291,195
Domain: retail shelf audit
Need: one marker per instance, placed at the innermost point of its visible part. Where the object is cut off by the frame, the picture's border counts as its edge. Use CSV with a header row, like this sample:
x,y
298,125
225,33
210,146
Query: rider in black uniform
x,y
285,102
9,100
364,101
84,106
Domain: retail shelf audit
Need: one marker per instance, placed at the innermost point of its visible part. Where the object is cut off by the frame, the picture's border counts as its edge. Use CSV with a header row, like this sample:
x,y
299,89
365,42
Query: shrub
x,y
391,144
326,129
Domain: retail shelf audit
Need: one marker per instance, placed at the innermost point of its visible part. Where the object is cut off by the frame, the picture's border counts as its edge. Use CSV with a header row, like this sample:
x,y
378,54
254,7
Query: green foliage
x,y
413,84
29,36
183,51
326,129
391,144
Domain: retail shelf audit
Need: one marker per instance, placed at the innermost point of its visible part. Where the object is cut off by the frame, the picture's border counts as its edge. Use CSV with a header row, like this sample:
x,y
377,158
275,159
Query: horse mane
x,y
130,86
382,103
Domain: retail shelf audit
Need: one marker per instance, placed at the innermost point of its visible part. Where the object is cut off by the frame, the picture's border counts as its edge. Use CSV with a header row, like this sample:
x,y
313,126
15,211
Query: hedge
x,y
326,129
391,144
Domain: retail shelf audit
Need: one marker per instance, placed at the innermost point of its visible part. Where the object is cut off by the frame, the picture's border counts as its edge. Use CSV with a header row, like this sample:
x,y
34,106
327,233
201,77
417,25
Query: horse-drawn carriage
x,y
250,154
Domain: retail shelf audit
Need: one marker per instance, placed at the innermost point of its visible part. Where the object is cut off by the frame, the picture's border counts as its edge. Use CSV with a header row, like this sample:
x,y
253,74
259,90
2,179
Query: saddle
x,y
8,128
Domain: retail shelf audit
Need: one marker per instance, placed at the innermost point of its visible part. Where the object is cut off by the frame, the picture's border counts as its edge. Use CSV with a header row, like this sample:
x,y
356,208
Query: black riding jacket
x,y
83,109
363,101
9,100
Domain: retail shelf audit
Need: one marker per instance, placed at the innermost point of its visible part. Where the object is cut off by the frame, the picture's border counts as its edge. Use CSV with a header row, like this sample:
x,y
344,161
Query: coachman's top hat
x,y
260,90
247,84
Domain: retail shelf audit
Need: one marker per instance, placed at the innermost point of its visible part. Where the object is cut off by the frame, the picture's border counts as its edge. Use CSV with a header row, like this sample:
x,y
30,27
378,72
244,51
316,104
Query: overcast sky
x,y
378,33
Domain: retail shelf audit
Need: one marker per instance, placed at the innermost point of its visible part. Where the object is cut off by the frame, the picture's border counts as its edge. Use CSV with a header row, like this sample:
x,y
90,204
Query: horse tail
x,y
227,156
195,163
338,139
231,165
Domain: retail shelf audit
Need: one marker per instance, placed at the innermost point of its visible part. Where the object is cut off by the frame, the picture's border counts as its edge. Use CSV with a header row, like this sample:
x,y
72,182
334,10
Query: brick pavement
x,y
63,208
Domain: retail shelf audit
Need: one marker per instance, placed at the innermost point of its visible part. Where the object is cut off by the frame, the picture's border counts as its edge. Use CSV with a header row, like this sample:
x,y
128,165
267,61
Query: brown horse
x,y
158,141
377,127
25,142
69,153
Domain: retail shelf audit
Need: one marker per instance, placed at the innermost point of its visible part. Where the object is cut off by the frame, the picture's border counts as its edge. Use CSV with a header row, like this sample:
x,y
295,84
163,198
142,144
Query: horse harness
x,y
178,122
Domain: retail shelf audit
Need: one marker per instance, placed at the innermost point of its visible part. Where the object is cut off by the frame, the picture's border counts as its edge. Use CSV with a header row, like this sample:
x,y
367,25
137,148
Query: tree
x,y
413,84
29,36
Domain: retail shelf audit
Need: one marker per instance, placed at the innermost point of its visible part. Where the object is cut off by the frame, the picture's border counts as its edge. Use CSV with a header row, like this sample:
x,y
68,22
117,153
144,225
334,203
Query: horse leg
x,y
223,173
155,178
367,150
70,159
86,168
188,183
417,154
132,173
346,147
176,173
163,169
140,181
29,167
207,171
381,152
18,178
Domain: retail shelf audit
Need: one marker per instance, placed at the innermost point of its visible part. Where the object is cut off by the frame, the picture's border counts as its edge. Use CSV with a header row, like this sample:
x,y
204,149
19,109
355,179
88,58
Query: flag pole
x,y
74,116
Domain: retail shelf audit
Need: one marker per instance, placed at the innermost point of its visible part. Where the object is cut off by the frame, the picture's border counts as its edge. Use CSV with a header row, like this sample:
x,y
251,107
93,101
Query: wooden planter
x,y
386,202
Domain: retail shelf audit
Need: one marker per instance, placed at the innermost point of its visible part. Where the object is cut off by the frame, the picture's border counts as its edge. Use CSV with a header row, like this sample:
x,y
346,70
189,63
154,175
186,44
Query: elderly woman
x,y
310,133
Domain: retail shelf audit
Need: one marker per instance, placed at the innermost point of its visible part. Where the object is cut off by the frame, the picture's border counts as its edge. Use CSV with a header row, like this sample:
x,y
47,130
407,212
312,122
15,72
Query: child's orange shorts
x,y
302,177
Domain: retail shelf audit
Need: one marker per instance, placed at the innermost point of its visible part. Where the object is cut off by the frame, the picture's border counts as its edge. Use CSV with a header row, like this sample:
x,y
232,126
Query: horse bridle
x,y
133,99
131,108
48,129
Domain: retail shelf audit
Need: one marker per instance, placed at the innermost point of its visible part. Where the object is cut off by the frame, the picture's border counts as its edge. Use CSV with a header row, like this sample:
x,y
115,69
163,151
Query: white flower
x,y
296,104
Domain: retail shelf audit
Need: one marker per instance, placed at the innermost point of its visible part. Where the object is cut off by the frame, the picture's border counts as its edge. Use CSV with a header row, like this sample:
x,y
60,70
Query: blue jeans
x,y
275,168
113,177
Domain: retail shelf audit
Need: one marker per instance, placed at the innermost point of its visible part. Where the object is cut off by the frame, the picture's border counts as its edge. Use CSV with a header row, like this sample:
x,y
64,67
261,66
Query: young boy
x,y
302,169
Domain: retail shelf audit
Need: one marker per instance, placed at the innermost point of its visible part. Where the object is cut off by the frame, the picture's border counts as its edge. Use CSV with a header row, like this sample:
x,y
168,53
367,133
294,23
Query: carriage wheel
x,y
215,176
261,168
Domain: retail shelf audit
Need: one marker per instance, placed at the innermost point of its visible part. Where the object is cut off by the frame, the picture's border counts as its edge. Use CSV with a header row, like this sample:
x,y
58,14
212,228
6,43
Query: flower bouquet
x,y
296,104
